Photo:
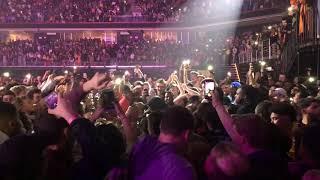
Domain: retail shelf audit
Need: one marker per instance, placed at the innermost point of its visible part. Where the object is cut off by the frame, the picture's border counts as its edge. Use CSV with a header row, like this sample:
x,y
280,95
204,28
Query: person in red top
x,y
126,97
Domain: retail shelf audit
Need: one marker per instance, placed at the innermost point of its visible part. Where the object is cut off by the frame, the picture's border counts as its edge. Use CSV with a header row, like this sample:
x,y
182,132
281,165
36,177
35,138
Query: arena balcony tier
x,y
126,33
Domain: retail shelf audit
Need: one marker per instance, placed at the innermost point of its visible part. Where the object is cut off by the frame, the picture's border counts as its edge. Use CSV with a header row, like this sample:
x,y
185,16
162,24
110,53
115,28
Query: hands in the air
x,y
64,109
97,82
215,99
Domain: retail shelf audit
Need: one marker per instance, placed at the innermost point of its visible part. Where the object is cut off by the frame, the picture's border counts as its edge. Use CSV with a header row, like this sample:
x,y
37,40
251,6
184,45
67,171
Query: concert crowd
x,y
129,125
217,47
122,124
61,11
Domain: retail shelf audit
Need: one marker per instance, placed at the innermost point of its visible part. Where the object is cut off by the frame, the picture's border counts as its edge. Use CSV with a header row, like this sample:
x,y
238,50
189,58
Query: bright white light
x,y
210,68
186,62
229,11
74,67
28,76
6,74
257,34
207,45
66,72
311,79
263,63
256,43
175,72
118,81
229,74
290,9
269,27
197,50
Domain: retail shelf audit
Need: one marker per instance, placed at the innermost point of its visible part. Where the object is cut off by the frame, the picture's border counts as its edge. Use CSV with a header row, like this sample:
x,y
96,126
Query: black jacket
x,y
21,157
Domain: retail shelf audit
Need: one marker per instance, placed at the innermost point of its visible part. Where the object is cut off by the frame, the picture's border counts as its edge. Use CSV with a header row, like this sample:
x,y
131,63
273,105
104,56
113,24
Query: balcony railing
x,y
263,51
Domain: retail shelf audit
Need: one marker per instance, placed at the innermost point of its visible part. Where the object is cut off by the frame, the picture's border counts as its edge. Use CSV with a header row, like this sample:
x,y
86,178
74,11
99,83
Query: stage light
x,y
6,74
210,40
256,43
66,72
207,45
186,62
196,50
290,9
257,34
311,79
118,81
75,67
175,72
269,27
229,74
210,68
28,76
263,63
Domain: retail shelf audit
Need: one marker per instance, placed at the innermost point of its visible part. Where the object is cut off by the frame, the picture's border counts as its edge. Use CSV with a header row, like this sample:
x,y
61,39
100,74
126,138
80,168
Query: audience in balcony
x,y
218,48
60,11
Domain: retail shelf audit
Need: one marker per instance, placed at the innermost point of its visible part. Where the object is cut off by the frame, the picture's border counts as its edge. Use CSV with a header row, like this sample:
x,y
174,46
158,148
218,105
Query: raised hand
x,y
184,86
64,109
97,82
174,77
215,99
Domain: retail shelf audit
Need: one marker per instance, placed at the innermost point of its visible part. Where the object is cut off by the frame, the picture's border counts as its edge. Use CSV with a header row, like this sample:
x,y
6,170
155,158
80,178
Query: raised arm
x,y
190,91
225,118
129,128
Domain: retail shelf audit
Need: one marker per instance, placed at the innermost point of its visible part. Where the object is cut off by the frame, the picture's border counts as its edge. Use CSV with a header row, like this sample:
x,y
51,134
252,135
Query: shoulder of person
x,y
177,167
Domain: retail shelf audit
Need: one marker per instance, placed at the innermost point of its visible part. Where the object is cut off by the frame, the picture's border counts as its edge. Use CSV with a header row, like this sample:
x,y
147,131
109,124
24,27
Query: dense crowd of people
x,y
129,124
214,47
184,126
59,11
134,51
28,11
184,10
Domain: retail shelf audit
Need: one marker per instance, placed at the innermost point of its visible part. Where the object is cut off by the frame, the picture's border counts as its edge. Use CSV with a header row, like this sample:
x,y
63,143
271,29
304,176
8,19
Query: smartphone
x,y
208,86
52,100
107,98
